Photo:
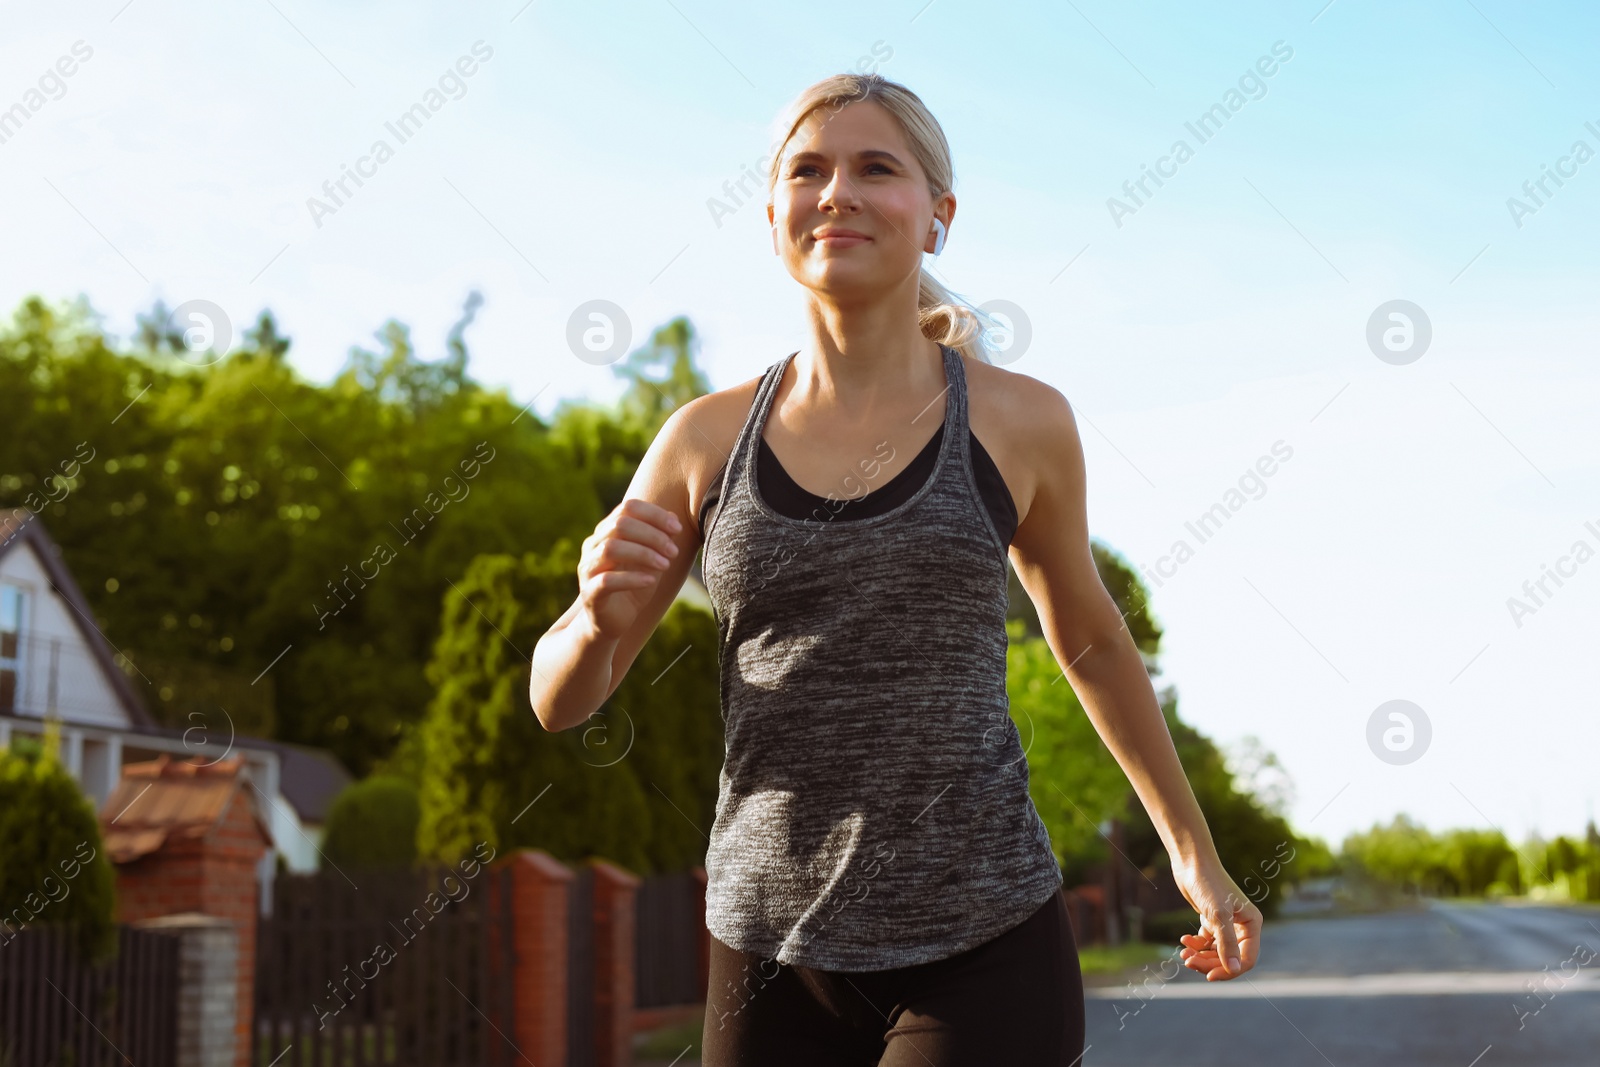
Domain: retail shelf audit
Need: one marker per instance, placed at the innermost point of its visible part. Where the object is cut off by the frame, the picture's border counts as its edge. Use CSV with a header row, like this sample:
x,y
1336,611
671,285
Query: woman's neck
x,y
865,359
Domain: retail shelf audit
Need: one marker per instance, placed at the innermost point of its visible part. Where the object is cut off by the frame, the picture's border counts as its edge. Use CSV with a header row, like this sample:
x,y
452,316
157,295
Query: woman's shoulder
x,y
1022,423
700,435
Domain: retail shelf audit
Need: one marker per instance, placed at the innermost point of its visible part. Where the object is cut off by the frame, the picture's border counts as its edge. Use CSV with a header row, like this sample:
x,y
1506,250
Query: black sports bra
x,y
785,496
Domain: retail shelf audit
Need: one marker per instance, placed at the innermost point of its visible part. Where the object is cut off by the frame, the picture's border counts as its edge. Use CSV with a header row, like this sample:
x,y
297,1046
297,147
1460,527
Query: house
x,y
56,662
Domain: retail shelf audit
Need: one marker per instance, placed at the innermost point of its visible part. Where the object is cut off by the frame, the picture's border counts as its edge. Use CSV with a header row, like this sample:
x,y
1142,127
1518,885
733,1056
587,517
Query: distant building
x,y
55,661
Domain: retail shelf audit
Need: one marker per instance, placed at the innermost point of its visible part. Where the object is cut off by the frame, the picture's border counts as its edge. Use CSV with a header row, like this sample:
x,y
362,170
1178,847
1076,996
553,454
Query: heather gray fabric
x,y
873,809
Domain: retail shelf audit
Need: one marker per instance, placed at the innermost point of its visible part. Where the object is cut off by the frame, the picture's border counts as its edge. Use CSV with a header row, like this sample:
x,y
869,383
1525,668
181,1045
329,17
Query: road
x,y
1445,984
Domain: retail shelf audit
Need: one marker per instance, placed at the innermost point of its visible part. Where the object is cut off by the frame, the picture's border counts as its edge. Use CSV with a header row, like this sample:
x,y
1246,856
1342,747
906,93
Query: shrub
x,y
373,823
53,866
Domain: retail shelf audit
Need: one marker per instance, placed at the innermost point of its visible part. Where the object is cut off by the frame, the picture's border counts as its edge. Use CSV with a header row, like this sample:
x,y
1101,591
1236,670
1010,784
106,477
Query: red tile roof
x,y
162,800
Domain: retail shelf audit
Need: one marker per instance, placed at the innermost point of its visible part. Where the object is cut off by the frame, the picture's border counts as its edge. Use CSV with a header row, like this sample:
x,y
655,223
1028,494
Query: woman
x,y
881,888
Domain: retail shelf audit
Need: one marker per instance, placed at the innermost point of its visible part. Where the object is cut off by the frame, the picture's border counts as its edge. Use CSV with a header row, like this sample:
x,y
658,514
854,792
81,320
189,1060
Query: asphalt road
x,y
1445,984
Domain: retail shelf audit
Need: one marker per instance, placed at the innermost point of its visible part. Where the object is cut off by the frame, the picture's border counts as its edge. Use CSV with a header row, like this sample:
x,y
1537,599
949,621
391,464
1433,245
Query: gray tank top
x,y
873,807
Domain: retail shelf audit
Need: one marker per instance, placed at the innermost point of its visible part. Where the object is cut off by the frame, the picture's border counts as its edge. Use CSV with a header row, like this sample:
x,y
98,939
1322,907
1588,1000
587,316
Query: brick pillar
x,y
208,969
614,954
539,937
213,873
703,940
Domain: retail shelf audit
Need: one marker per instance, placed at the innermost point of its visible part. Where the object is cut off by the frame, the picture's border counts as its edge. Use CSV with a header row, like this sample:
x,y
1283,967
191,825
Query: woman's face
x,y
852,170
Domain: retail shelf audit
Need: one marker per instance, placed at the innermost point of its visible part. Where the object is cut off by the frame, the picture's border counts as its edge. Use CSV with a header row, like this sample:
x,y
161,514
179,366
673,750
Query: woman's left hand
x,y
1230,922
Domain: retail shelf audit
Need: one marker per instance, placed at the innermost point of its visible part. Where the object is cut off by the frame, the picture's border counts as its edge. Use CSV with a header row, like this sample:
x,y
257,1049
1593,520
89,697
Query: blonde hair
x,y
942,315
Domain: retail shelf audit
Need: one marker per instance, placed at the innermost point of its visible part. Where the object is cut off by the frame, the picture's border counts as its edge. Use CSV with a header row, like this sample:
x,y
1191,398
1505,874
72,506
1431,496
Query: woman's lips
x,y
842,240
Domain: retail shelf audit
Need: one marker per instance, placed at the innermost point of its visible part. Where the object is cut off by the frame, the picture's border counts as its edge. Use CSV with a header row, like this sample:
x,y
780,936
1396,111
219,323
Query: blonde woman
x,y
881,889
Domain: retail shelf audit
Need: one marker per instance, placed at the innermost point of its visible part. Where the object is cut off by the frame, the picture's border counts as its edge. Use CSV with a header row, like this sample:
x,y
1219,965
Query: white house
x,y
56,662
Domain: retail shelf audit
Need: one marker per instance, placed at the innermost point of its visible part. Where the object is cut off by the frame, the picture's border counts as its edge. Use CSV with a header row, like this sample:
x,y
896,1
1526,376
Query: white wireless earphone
x,y
938,236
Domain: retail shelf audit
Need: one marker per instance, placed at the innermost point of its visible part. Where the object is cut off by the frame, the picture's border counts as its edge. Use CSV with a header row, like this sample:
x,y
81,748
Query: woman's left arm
x,y
1087,633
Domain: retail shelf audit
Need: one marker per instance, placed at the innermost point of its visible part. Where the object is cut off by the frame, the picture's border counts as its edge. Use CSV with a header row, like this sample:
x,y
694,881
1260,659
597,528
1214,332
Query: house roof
x,y
308,777
19,526
161,801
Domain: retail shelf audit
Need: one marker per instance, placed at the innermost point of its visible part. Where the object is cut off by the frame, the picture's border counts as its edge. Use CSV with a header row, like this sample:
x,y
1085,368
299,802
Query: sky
x,y
1426,471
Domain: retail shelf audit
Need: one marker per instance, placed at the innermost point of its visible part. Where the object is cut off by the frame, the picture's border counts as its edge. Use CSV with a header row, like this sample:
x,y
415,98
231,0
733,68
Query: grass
x,y
668,1043
1099,959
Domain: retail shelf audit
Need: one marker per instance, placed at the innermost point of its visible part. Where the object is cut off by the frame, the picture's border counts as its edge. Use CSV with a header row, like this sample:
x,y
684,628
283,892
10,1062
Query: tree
x,y
1125,588
637,784
373,823
53,865
1073,778
662,376
225,517
1255,843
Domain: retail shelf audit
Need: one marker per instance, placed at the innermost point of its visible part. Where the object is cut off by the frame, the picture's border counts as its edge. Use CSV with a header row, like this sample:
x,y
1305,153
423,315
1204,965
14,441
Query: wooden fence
x,y
408,968
57,1009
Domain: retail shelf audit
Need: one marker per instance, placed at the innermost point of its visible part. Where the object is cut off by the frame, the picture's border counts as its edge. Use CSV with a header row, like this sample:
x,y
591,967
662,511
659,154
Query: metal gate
x,y
407,968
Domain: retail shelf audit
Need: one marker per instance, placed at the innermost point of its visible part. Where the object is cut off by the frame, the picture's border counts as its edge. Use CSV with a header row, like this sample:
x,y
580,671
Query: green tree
x,y
226,516
373,823
53,865
637,784
1073,778
662,376
1126,591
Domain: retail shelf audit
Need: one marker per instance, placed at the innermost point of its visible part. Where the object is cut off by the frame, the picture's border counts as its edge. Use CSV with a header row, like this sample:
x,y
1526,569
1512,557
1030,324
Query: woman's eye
x,y
800,171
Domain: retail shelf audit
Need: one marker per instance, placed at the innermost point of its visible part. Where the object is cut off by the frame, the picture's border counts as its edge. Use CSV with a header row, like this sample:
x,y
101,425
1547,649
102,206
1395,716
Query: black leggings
x,y
1016,999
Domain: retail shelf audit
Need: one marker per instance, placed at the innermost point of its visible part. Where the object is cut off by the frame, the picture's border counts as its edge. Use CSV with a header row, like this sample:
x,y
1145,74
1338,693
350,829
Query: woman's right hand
x,y
621,563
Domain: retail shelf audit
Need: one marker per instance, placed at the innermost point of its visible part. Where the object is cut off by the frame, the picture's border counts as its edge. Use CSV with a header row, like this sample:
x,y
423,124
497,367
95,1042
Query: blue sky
x,y
1227,313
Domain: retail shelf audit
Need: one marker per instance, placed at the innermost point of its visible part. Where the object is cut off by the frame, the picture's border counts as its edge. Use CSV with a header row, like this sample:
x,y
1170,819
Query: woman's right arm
x,y
629,573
